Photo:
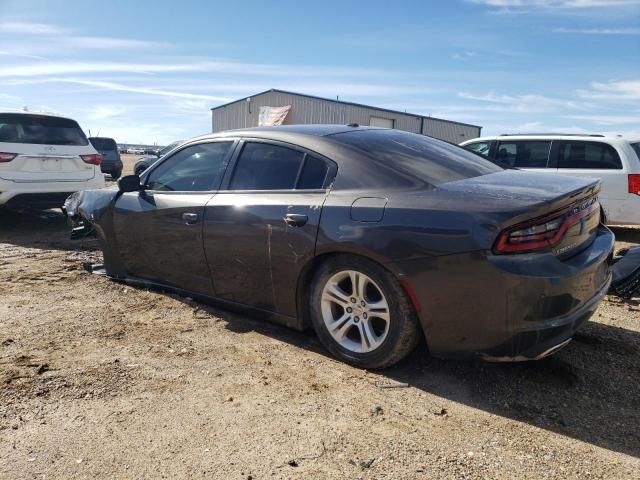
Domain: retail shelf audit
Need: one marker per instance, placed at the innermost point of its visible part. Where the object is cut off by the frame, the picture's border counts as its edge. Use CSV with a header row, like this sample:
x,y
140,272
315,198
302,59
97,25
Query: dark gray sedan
x,y
371,236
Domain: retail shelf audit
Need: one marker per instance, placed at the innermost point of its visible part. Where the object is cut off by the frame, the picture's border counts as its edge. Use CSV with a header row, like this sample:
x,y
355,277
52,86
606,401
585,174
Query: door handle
x,y
190,218
295,219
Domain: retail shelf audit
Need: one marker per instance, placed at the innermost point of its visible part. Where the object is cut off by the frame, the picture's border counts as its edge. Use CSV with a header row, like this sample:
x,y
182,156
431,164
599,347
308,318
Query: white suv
x,y
43,160
614,160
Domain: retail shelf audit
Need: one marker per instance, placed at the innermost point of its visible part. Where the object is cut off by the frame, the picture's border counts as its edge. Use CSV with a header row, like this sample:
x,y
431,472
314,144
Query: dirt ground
x,y
102,380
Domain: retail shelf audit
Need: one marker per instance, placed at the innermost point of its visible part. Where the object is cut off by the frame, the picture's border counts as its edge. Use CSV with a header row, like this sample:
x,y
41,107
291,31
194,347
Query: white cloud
x,y
607,119
118,87
226,67
627,90
29,28
528,103
106,43
463,55
599,31
557,4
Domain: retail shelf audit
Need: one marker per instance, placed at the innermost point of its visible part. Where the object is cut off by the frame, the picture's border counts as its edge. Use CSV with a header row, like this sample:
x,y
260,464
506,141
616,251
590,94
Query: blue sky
x,y
149,71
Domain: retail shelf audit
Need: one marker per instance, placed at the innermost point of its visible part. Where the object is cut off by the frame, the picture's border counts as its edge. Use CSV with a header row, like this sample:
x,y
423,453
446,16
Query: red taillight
x,y
634,183
93,159
543,232
7,157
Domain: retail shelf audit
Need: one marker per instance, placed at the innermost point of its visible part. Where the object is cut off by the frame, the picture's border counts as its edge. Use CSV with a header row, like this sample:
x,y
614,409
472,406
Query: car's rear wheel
x,y
115,175
361,313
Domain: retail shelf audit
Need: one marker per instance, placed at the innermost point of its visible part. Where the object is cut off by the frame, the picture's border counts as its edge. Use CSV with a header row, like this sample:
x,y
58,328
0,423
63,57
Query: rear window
x,y
636,147
103,143
40,130
430,160
588,155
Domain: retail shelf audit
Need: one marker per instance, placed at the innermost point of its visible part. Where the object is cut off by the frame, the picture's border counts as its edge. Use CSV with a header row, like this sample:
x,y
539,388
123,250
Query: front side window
x,y
588,155
524,154
198,168
481,148
40,130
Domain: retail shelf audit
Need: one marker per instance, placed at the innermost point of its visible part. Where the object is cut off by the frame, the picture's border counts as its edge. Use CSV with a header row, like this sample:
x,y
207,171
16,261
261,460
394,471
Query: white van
x,y
614,160
43,160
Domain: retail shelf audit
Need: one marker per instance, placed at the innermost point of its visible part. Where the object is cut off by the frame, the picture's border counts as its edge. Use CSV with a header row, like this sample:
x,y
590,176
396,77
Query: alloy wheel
x,y
355,311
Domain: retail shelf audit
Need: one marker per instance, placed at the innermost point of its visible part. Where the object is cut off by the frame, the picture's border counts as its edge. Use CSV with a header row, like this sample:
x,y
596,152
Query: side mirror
x,y
130,183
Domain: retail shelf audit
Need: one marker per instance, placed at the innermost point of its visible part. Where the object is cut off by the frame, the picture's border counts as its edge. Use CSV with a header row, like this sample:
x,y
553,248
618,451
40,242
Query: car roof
x,y
291,131
36,114
551,136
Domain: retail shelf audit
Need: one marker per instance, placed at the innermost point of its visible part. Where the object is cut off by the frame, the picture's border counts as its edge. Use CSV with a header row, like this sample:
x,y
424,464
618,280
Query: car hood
x,y
90,205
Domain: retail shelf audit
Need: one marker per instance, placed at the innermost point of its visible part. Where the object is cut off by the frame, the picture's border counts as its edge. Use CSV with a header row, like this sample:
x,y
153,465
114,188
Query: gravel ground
x,y
102,380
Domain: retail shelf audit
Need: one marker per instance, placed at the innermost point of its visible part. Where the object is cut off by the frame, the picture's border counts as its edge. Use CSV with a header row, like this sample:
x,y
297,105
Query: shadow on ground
x,y
589,391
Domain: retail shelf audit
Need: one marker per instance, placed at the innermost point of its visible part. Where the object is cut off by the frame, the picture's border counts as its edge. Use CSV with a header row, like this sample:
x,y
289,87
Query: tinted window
x,y
169,147
314,173
103,143
481,148
524,154
430,160
636,147
193,169
591,155
41,130
262,166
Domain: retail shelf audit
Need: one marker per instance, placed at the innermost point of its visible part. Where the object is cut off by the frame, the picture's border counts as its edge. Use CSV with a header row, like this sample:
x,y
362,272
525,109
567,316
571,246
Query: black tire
x,y
116,175
139,170
404,330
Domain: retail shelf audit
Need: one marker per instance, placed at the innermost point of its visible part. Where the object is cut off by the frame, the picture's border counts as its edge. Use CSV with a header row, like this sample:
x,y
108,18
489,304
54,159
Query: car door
x,y
261,229
531,155
159,230
595,160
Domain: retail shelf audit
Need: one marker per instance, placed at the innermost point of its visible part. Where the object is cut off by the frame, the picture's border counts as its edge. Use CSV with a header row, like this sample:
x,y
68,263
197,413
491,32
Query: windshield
x,y
425,158
103,143
40,130
169,147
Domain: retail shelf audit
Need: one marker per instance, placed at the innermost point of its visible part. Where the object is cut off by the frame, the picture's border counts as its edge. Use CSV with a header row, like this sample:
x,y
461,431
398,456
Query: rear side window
x,y
40,130
481,148
263,166
588,155
314,174
636,147
103,143
524,154
198,168
425,158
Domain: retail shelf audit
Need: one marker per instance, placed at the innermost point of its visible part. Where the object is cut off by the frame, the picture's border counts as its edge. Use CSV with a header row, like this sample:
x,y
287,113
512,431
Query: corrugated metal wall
x,y
449,131
307,110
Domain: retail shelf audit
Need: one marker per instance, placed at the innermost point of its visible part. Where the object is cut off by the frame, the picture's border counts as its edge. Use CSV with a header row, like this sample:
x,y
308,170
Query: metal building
x,y
245,113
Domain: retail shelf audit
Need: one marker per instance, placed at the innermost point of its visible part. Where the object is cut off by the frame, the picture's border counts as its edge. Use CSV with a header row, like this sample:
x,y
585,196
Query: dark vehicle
x,y
145,162
111,162
369,235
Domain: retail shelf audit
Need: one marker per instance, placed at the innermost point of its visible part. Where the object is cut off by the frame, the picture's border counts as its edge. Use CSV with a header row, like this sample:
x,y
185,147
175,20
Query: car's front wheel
x,y
361,313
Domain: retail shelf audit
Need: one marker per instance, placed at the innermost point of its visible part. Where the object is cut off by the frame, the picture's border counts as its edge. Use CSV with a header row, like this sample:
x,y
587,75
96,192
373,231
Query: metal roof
x,y
244,99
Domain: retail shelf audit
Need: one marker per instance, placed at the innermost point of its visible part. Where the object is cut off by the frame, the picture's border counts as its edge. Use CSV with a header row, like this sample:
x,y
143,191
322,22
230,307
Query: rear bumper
x,y
622,211
108,167
513,307
43,195
544,340
37,200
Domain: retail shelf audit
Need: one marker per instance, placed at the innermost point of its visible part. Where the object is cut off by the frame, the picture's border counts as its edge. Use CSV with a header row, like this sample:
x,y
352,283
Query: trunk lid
x,y
515,200
46,163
